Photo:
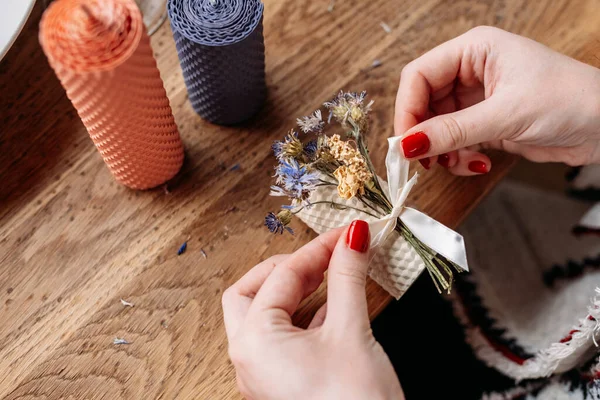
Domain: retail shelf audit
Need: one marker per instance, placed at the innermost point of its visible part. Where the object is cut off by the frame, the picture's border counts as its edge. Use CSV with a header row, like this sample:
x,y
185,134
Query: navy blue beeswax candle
x,y
222,54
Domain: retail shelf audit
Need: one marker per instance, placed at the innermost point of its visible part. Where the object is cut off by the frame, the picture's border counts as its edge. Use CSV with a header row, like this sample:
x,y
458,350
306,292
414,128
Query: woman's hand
x,y
336,357
492,89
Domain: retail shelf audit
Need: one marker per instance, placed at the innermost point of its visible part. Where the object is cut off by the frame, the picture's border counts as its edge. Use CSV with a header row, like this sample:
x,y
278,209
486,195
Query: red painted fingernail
x,y
425,162
415,145
358,236
478,167
444,160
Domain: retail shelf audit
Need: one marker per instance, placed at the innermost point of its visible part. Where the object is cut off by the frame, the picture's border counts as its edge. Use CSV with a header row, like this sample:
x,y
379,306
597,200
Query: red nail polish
x,y
358,236
444,160
478,167
415,145
425,162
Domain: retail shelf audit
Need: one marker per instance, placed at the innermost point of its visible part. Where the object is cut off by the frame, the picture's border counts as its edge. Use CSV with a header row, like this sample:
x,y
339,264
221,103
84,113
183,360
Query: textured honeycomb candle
x,y
222,54
101,53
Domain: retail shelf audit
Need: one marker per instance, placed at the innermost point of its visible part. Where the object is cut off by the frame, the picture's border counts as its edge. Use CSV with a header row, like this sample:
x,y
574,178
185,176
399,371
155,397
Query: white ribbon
x,y
436,236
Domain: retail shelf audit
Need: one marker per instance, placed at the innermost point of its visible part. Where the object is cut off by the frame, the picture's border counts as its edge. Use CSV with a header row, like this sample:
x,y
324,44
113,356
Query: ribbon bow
x,y
438,237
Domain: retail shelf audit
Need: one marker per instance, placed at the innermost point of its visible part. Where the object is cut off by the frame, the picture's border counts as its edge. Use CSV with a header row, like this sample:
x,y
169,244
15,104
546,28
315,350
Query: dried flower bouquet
x,y
341,160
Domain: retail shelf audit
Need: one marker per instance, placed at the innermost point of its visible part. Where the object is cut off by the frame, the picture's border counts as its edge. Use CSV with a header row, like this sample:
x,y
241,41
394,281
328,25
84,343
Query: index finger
x,y
295,278
238,297
433,71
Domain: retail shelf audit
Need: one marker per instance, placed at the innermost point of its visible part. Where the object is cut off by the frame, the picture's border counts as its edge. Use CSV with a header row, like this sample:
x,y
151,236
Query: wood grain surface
x,y
73,242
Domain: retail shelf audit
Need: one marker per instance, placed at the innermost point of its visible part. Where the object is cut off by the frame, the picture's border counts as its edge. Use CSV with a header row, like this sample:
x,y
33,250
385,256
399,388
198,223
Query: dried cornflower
x,y
278,223
294,180
350,106
311,149
290,147
313,123
338,108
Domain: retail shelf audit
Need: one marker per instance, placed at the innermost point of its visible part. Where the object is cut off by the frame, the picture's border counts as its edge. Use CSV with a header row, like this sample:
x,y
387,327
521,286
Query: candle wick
x,y
88,12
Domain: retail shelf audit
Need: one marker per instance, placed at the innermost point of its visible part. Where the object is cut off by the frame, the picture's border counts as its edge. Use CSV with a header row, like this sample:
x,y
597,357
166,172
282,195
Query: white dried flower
x,y
312,123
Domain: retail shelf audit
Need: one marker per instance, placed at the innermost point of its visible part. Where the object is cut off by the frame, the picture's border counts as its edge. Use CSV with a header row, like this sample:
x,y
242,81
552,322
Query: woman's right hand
x,y
492,89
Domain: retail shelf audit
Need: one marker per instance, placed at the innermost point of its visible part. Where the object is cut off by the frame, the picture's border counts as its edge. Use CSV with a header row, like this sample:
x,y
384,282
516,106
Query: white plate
x,y
13,16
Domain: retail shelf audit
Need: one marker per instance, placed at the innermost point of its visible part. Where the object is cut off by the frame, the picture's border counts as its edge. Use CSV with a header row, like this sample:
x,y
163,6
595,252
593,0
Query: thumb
x,y
347,276
482,122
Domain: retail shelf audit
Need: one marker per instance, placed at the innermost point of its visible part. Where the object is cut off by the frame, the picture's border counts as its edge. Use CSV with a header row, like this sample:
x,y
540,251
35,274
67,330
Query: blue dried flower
x,y
277,148
310,149
290,147
277,223
294,181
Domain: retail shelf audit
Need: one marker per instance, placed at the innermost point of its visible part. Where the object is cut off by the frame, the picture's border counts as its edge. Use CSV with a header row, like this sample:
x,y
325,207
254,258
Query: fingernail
x,y
478,167
415,145
425,162
444,160
358,236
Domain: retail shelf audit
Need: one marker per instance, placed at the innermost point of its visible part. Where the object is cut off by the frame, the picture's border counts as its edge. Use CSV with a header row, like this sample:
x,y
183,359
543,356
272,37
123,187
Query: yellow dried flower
x,y
354,173
349,184
340,149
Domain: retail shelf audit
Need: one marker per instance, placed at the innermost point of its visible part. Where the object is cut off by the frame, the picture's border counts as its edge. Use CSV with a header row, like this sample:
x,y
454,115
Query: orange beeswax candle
x,y
101,53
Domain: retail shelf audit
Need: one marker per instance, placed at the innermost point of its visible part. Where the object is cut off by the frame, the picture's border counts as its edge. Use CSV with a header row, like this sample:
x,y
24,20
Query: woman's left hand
x,y
336,357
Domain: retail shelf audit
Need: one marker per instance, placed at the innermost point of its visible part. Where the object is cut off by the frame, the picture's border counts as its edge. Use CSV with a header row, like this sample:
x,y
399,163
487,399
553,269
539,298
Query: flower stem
x,y
339,206
366,204
324,182
437,266
362,148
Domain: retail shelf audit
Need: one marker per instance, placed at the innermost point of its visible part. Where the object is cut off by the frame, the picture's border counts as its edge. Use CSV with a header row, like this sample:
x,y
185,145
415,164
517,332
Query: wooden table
x,y
73,242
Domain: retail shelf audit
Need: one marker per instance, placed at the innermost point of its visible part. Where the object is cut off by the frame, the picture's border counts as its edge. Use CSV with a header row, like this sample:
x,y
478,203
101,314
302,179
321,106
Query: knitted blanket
x,y
531,305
